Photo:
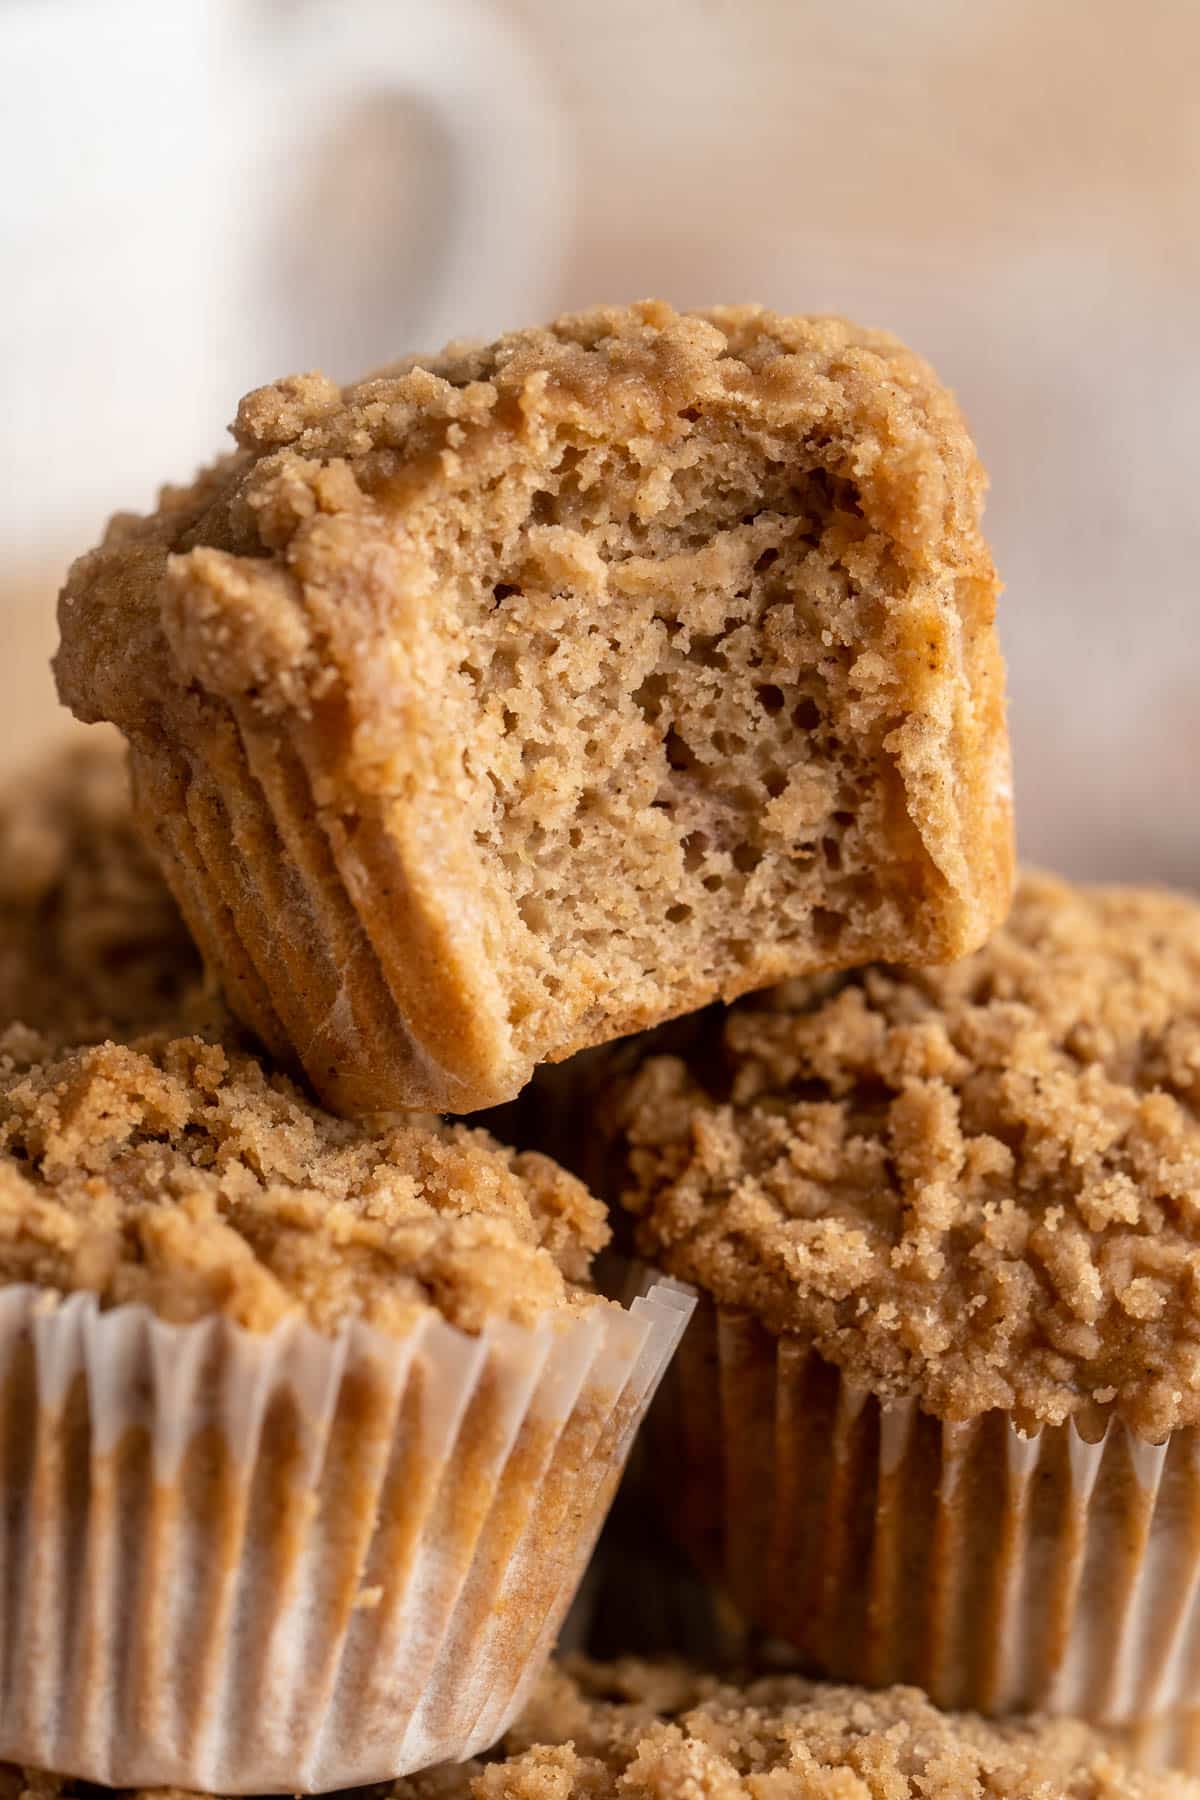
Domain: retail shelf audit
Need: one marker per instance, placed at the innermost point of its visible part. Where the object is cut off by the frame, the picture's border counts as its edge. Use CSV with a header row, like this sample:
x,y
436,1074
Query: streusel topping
x,y
181,1174
978,1185
91,942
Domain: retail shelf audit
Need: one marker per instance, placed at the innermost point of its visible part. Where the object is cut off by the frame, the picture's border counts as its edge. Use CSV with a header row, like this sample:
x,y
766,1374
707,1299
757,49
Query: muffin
x,y
91,942
593,1731
502,704
938,1420
307,1428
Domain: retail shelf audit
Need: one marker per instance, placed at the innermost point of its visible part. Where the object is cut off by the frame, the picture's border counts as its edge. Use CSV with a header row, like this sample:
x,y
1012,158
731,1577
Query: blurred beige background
x,y
226,188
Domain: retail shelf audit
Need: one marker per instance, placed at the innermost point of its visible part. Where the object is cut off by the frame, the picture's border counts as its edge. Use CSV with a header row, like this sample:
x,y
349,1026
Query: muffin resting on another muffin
x,y
497,706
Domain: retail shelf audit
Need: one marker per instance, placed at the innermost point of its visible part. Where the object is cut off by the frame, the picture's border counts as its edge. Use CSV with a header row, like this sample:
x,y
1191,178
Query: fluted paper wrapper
x,y
1171,1741
999,1572
241,1562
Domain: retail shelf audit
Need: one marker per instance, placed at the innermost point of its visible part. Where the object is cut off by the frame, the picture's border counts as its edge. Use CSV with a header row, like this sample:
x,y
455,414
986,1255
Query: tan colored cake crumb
x,y
597,1731
500,705
91,942
977,1185
179,1173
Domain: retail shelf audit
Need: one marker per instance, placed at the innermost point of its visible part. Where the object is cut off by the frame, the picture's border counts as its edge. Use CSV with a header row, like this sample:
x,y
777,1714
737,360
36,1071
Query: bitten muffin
x,y
308,1427
496,706
91,942
594,1731
939,1421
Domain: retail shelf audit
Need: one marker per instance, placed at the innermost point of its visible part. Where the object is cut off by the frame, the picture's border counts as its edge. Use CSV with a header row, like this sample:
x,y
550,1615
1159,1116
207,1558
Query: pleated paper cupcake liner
x,y
326,947
238,1562
263,900
323,945
1169,1742
1001,1573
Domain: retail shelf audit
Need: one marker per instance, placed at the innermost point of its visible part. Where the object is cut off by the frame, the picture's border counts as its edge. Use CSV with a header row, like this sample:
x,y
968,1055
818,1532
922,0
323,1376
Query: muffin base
x,y
285,1562
998,1572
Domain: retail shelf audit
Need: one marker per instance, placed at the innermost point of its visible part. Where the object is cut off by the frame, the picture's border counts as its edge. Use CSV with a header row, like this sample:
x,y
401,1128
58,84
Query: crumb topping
x,y
978,1185
91,943
596,1731
181,1174
666,1730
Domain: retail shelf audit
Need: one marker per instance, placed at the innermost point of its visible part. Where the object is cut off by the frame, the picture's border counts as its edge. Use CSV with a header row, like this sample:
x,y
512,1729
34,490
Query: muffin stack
x,y
609,717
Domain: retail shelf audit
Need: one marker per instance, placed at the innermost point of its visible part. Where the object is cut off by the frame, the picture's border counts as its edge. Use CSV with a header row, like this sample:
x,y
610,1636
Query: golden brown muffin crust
x,y
180,1174
623,663
596,1731
91,942
975,1185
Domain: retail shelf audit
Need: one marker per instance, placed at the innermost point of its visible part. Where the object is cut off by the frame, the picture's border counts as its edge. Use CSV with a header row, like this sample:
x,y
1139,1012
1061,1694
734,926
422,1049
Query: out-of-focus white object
x,y
1014,187
202,194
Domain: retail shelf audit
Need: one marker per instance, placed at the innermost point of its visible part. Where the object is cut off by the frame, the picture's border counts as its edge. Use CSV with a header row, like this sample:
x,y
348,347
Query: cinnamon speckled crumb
x,y
179,1173
91,942
595,1731
977,1185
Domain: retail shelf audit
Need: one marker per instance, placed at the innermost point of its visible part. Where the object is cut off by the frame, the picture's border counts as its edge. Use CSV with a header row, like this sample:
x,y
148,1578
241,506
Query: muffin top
x,y
254,603
597,1730
979,1185
91,943
180,1173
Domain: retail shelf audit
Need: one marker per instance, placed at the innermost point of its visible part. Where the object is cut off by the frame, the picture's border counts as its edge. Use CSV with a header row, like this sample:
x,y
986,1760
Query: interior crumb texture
x,y
676,722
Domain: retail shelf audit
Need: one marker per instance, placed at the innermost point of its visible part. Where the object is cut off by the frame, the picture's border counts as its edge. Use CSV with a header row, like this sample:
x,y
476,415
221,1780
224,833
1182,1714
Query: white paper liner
x,y
239,1562
1169,1742
998,1572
